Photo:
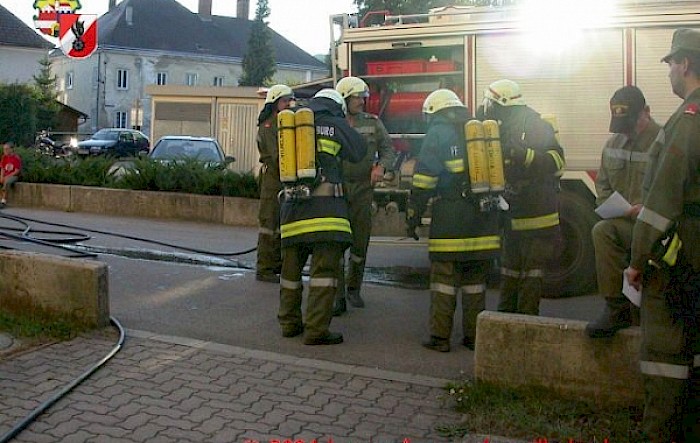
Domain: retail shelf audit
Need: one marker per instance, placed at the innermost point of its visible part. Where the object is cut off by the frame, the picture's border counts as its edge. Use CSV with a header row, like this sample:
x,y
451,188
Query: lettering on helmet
x,y
325,131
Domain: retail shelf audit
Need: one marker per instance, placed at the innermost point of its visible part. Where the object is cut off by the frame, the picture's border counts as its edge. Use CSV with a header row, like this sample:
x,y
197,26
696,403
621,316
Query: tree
x,y
18,111
45,86
420,6
259,60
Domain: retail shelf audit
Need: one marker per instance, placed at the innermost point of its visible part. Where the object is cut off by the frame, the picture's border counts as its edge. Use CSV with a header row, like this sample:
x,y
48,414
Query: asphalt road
x,y
218,299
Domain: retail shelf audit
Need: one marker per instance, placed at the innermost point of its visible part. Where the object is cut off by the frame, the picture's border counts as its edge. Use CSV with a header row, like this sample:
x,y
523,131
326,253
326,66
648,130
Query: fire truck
x,y
568,59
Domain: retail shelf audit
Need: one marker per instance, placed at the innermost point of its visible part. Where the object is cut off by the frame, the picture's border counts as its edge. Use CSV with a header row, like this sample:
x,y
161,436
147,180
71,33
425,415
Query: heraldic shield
x,y
78,34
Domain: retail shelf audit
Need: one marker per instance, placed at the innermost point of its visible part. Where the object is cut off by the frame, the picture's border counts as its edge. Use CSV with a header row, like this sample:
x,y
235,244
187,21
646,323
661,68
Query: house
x,y
160,42
21,49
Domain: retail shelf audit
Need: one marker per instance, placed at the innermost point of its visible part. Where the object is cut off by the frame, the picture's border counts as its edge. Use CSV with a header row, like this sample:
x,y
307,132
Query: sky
x,y
303,22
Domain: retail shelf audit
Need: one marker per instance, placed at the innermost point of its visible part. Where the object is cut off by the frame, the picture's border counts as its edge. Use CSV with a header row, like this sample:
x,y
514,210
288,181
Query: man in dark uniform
x,y
666,258
358,182
463,239
269,256
622,167
534,163
318,225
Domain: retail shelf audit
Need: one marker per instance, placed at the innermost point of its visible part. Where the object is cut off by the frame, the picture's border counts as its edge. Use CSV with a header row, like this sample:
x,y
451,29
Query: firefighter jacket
x,y
268,150
459,231
534,163
379,148
672,189
623,164
324,215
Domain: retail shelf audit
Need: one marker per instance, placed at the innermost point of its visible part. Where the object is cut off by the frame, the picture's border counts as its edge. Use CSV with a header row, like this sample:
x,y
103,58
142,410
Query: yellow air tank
x,y
476,157
306,143
497,179
552,120
286,145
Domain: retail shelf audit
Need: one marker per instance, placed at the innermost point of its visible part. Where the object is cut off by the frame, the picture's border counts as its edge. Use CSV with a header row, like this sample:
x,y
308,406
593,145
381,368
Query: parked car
x,y
174,148
116,142
183,147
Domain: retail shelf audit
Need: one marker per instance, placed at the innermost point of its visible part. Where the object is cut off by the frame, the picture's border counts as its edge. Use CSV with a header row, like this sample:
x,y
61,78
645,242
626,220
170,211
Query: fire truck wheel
x,y
573,269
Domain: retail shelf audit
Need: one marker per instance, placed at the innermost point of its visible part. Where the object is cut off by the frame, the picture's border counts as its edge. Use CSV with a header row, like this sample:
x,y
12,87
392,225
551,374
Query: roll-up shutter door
x,y
652,74
574,84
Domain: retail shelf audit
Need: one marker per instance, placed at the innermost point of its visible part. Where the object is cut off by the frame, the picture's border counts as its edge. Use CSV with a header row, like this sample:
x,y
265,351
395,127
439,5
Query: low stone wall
x,y
67,288
147,204
519,350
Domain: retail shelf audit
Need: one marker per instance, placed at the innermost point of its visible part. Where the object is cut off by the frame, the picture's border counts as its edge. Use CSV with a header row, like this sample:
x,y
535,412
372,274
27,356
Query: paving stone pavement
x,y
171,389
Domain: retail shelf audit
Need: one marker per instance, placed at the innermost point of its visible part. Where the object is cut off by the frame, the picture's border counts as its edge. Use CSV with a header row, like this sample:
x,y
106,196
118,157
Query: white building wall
x,y
19,65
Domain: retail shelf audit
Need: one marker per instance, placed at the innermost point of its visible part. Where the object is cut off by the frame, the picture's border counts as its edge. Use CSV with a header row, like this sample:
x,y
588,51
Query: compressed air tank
x,y
286,145
476,157
305,143
494,153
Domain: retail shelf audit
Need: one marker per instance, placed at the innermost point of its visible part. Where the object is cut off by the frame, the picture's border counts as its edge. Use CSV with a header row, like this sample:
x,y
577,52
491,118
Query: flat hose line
x,y
129,237
19,427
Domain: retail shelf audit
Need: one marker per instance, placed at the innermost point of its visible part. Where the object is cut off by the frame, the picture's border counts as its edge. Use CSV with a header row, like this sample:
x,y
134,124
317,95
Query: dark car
x,y
115,142
182,147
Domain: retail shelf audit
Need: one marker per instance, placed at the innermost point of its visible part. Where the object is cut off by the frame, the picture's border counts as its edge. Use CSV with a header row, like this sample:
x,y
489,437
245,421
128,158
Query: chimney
x,y
112,4
205,9
243,9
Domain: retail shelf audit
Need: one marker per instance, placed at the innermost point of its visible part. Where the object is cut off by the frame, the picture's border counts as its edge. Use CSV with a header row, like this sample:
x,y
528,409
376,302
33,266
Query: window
x,y
120,119
218,81
122,79
162,78
69,80
191,79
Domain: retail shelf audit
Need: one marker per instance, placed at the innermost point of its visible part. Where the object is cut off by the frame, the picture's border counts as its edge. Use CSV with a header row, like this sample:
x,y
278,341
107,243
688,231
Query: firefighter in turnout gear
x,y
622,167
358,183
318,225
534,163
665,259
463,238
269,260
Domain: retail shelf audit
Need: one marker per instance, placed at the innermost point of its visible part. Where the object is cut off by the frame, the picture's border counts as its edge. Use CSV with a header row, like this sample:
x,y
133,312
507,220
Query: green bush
x,y
189,176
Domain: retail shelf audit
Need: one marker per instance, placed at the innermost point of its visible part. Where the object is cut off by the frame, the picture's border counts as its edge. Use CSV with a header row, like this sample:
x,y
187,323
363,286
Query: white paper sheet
x,y
632,294
615,206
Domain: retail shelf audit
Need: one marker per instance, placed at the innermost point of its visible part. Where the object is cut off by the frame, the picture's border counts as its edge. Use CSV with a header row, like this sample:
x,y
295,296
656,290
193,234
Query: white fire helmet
x,y
278,91
503,92
352,86
439,100
333,95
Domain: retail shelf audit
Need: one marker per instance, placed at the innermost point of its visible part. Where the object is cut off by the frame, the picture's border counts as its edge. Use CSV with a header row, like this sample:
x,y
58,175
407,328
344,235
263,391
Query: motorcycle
x,y
44,144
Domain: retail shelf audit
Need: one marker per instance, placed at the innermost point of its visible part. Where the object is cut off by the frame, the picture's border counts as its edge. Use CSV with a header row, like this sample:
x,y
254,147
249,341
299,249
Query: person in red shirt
x,y
10,167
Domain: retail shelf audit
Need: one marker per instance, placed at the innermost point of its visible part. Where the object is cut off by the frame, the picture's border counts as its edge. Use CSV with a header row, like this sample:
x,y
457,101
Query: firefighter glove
x,y
412,220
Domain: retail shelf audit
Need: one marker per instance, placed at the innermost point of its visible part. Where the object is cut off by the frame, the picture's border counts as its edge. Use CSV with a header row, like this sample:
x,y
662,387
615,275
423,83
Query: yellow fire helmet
x,y
441,99
278,91
504,92
333,95
352,86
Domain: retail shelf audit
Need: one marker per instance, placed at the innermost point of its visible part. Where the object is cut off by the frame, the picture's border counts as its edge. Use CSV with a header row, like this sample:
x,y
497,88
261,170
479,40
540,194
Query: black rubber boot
x,y
437,344
616,316
354,298
331,338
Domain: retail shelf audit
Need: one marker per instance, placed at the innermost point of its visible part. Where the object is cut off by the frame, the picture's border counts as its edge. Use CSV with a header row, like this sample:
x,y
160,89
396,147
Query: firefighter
x,y
666,258
317,225
359,180
622,167
269,260
463,239
534,162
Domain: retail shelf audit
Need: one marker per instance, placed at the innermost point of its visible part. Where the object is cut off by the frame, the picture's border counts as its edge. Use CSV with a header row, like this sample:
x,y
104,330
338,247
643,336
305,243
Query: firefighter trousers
x,y
523,262
669,365
447,279
612,240
325,258
269,251
359,196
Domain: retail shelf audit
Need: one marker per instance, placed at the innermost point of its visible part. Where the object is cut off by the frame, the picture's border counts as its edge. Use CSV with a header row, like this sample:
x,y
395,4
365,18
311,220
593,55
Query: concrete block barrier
x,y
65,288
520,350
42,196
